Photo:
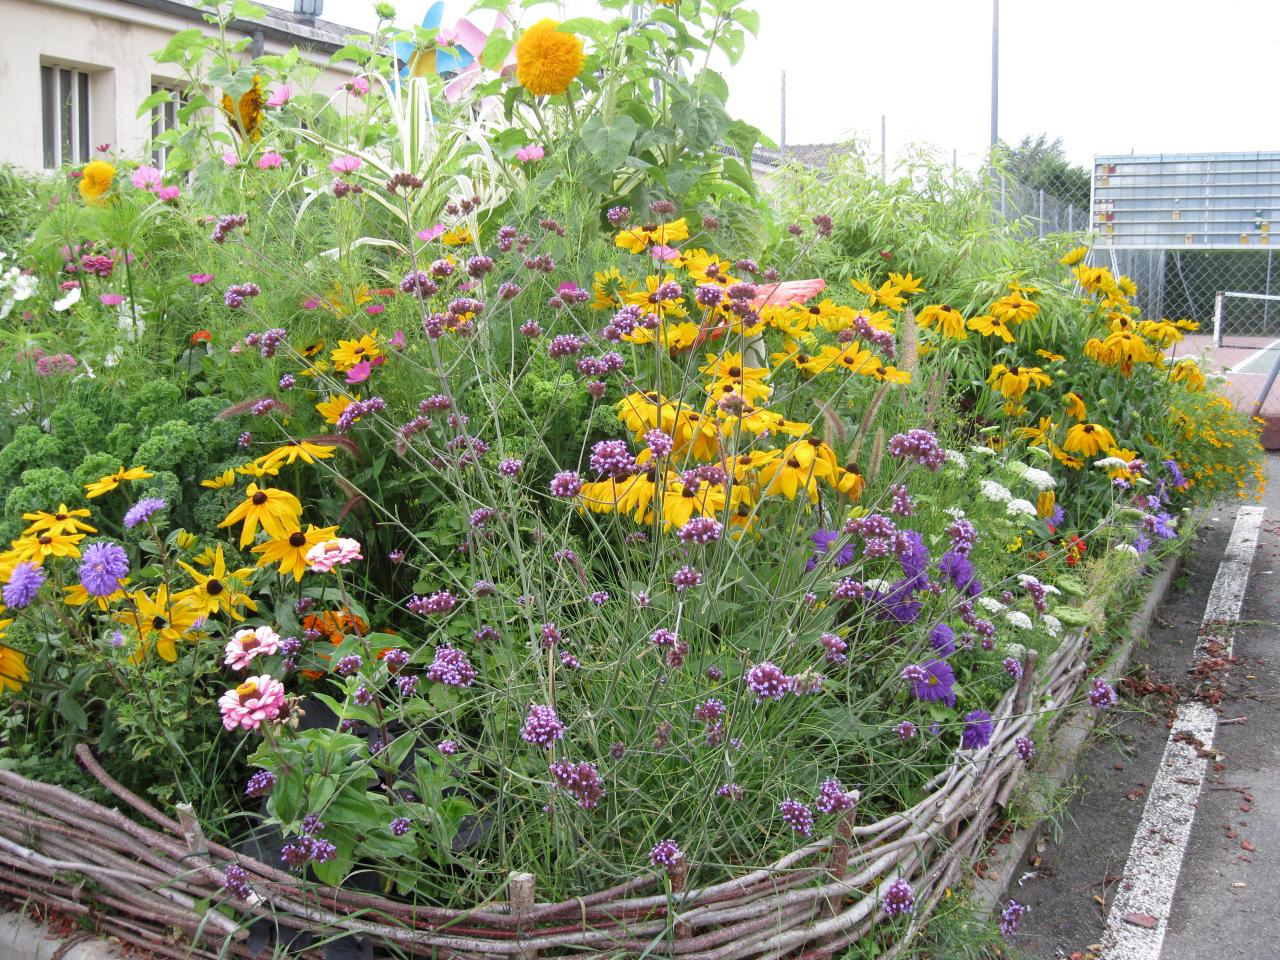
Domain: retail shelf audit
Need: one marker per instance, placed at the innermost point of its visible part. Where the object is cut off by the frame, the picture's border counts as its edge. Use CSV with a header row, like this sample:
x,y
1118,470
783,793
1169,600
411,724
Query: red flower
x,y
201,336
1075,548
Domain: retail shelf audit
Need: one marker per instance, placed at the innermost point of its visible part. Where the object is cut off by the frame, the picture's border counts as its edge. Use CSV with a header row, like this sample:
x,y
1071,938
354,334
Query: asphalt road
x,y
1228,886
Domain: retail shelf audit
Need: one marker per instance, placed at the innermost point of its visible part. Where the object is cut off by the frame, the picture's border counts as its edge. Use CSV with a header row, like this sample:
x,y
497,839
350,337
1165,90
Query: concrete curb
x,y
22,938
990,892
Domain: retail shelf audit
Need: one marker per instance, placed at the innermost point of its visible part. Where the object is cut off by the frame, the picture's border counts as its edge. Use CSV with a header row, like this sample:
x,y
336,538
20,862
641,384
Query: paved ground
x,y
1224,904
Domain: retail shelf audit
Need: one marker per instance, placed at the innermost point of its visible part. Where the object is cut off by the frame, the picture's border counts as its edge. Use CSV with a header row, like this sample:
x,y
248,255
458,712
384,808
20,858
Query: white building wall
x,y
111,41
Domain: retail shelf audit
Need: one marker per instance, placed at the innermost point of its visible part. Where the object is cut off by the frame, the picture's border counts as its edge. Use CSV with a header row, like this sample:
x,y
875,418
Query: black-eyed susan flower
x,y
245,114
113,480
276,510
1087,439
1038,435
1188,373
638,238
350,352
292,451
547,58
42,546
1014,309
609,288
226,478
62,520
219,589
14,674
944,319
1074,406
289,551
991,327
1074,256
333,408
1014,382
907,285
160,620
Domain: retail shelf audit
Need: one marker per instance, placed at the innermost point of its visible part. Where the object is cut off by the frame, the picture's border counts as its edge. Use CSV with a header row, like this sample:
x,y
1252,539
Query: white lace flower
x,y
956,457
1052,625
1111,463
991,604
982,451
1020,506
955,512
1127,548
1040,479
995,492
1040,452
878,585
1019,619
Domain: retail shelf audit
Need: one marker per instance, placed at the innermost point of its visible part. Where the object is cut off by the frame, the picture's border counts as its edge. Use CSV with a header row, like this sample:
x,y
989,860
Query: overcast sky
x,y
1107,76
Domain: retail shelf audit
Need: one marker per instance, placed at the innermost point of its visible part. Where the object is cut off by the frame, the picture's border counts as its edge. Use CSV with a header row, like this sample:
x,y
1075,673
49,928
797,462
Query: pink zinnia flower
x,y
374,309
111,299
530,153
270,160
257,699
327,554
169,194
280,96
248,643
346,164
231,158
200,279
431,233
147,178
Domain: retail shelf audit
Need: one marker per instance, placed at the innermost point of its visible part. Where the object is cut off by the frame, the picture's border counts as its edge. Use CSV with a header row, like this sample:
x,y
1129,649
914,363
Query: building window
x,y
164,117
64,96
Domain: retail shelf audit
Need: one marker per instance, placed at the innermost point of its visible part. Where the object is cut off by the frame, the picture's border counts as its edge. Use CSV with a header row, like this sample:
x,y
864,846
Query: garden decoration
x,y
513,536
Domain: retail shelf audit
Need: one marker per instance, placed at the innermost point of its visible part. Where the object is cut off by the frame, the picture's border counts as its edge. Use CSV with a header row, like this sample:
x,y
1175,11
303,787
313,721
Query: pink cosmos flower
x,y
446,38
111,299
530,153
397,340
327,554
200,279
360,372
310,303
169,194
280,96
663,253
270,160
346,164
231,158
255,700
247,643
431,233
147,178
357,86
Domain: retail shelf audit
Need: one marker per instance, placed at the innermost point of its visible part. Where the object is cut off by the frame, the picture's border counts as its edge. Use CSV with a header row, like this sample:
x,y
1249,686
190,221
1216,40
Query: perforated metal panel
x,y
1186,200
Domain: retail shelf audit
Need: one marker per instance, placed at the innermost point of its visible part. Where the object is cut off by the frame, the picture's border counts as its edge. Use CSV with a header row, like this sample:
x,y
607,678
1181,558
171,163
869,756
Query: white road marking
x,y
1139,915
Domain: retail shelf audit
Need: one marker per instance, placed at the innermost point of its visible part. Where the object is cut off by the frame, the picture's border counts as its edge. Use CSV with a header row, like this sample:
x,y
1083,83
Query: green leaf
x,y
157,98
71,710
748,20
286,798
244,10
702,122
609,143
496,49
179,44
597,30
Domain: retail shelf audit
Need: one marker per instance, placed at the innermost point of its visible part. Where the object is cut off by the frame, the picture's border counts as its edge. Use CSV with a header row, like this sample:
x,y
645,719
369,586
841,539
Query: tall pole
x,y
783,143
995,72
884,151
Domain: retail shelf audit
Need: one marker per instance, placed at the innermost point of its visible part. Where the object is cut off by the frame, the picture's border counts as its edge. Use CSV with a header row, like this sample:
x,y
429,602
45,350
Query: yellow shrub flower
x,y
547,59
95,180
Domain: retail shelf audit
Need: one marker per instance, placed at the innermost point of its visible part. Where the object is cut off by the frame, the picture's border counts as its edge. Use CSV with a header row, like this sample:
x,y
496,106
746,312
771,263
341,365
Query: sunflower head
x,y
547,60
95,180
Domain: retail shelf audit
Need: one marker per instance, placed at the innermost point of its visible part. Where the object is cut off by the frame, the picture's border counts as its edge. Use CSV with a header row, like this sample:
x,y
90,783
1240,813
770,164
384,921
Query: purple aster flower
x,y
542,727
143,510
899,898
1102,695
934,682
767,682
102,567
24,583
956,567
665,854
978,727
798,815
823,540
1160,524
943,639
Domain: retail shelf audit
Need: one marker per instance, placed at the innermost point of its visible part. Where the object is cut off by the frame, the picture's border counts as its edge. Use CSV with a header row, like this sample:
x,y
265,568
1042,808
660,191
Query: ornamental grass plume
x,y
548,59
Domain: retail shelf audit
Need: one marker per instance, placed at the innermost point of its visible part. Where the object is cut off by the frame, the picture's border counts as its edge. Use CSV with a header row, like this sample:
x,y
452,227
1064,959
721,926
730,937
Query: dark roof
x,y
812,155
282,26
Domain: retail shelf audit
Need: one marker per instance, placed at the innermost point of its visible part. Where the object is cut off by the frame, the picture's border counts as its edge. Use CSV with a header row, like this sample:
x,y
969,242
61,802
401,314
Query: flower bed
x,y
429,496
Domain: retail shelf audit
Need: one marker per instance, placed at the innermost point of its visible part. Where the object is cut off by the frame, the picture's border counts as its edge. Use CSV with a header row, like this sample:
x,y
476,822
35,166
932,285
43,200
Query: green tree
x,y
1041,163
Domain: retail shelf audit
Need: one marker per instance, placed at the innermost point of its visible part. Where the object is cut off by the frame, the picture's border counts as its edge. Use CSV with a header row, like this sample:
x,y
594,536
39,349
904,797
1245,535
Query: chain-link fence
x,y
1043,209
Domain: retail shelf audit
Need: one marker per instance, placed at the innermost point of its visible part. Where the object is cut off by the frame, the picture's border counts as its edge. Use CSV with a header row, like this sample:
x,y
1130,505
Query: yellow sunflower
x,y
95,180
548,59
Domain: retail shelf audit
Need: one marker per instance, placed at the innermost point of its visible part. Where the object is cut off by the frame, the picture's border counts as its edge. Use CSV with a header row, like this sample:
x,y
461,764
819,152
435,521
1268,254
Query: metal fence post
x,y
1218,304
1041,213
